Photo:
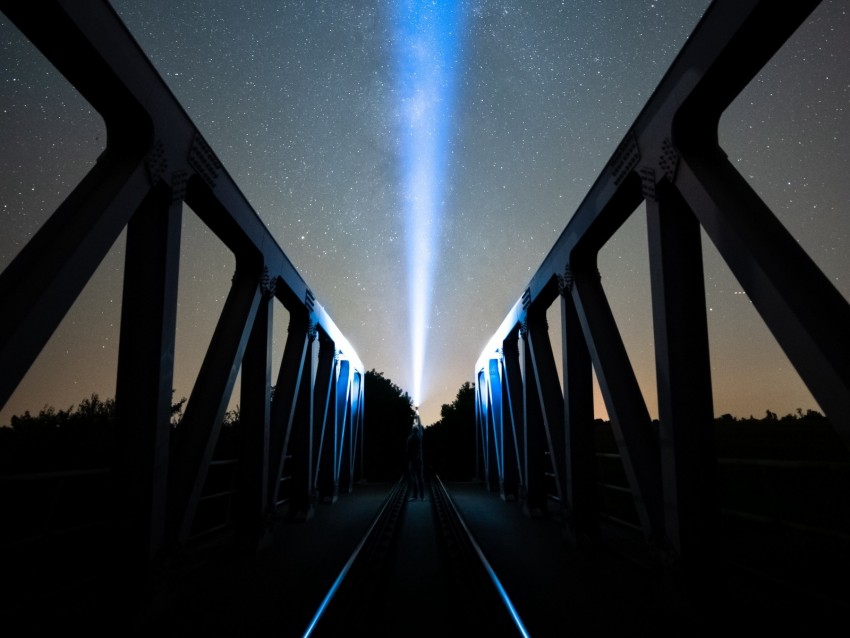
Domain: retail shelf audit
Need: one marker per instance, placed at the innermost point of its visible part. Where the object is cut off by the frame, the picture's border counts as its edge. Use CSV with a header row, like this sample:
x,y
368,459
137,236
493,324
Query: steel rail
x,y
349,604
515,626
334,605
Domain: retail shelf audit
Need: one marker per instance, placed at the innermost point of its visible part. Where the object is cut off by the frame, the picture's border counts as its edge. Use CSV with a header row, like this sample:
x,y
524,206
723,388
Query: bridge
x,y
169,516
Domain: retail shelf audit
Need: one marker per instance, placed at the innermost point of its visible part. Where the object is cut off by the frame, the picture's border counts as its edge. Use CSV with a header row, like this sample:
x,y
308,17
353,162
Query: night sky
x,y
305,104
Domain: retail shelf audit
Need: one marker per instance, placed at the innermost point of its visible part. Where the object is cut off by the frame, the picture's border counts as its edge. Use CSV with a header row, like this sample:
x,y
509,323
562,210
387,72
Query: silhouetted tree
x,y
229,436
450,442
72,439
387,415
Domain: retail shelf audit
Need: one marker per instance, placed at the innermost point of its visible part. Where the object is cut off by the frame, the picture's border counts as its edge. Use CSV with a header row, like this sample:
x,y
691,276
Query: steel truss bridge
x,y
296,448
538,441
303,444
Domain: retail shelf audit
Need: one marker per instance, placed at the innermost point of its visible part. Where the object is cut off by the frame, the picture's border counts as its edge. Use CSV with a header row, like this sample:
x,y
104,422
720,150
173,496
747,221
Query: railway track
x,y
418,571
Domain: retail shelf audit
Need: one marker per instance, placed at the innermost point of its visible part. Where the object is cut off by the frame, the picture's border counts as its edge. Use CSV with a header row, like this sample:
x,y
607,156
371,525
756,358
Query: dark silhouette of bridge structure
x,y
302,445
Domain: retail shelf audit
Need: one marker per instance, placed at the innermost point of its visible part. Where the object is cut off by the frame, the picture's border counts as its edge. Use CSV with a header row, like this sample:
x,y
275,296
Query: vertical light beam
x,y
427,49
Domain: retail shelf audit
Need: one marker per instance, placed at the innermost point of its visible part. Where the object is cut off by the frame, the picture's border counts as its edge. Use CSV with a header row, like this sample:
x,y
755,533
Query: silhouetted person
x,y
415,469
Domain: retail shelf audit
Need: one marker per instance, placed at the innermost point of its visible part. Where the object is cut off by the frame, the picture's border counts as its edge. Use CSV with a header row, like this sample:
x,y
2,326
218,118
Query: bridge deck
x,y
556,588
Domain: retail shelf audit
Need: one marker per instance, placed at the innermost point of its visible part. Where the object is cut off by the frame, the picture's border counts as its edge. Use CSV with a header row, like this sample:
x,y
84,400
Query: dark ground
x,y
557,589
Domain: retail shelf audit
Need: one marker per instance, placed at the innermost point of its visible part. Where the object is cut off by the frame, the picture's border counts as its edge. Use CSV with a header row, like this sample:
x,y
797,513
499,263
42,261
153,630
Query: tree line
x,y
81,437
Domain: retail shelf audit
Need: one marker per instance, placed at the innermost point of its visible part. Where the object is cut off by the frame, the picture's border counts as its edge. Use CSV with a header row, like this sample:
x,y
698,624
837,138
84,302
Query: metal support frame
x,y
155,160
512,385
323,484
496,424
671,159
580,460
549,396
252,495
145,370
287,432
534,445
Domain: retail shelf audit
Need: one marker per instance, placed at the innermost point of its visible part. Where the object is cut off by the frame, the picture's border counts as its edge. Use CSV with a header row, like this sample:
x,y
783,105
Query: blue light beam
x,y
427,41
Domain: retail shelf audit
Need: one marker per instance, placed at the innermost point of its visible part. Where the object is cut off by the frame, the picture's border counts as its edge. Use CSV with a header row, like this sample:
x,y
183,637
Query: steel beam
x,y
155,160
253,506
343,427
494,387
549,394
197,434
512,385
580,471
534,446
683,373
482,463
636,440
299,436
46,277
324,421
806,314
355,438
287,392
671,159
144,386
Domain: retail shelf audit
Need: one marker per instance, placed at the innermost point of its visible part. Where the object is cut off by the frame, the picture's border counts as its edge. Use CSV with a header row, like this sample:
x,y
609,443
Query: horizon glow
x,y
427,47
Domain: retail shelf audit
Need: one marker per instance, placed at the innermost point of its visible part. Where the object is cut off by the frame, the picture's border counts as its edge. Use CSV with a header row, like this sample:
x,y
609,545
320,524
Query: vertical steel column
x,y
807,315
685,406
534,444
144,383
549,393
361,413
355,431
494,466
344,427
512,384
198,431
299,444
480,427
324,420
288,394
580,466
253,504
484,426
637,443
494,386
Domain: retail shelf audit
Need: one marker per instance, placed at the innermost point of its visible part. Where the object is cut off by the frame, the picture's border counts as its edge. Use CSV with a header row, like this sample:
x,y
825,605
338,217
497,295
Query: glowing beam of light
x,y
427,41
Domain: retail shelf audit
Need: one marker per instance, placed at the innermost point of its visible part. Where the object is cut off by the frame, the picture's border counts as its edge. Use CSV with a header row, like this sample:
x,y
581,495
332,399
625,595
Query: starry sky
x,y
302,102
